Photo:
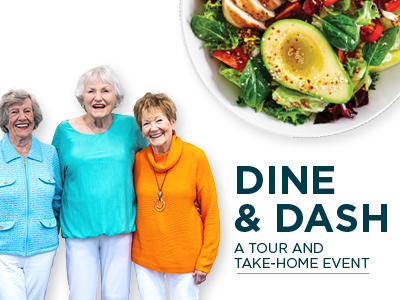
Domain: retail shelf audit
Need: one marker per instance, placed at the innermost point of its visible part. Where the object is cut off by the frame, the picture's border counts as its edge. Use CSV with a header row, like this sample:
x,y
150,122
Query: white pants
x,y
83,257
25,277
181,286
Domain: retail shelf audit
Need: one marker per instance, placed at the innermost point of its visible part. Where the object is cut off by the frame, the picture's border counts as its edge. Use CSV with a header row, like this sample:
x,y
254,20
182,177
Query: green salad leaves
x,y
341,31
342,5
366,14
255,83
351,65
338,7
213,28
293,116
231,74
293,99
374,53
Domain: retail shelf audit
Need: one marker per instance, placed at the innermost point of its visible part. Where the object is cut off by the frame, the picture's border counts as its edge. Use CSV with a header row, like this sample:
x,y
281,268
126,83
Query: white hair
x,y
18,97
102,74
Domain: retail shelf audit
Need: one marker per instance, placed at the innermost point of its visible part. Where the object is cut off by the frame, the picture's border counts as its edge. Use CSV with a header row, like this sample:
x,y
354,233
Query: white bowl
x,y
387,88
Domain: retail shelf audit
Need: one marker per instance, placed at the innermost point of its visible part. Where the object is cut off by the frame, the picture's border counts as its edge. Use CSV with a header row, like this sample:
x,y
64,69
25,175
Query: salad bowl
x,y
207,68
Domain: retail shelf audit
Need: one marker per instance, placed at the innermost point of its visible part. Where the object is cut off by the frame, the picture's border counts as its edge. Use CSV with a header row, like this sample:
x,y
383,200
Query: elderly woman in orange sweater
x,y
172,238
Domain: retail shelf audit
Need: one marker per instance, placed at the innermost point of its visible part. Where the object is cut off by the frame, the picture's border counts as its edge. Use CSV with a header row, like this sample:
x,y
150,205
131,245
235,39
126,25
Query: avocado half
x,y
298,56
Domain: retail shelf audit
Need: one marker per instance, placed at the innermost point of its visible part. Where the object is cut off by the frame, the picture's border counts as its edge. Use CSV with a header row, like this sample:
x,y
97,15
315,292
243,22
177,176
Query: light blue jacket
x,y
30,189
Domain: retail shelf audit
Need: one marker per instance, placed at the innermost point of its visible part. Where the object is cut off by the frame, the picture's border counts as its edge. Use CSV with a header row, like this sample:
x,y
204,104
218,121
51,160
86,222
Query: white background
x,y
47,45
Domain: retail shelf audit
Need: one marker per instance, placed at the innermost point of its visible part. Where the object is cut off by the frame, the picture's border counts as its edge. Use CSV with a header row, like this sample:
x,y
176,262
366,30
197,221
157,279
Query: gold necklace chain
x,y
160,204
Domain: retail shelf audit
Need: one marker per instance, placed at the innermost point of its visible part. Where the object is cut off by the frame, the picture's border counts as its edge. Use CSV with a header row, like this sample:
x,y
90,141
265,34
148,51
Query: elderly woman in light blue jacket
x,y
30,195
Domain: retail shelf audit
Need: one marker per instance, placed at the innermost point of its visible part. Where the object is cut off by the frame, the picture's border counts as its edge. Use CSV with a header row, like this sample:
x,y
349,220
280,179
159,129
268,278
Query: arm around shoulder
x,y
140,141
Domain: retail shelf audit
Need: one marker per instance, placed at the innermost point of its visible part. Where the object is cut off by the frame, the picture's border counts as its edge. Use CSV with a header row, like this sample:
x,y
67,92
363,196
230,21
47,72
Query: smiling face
x,y
99,99
20,120
157,130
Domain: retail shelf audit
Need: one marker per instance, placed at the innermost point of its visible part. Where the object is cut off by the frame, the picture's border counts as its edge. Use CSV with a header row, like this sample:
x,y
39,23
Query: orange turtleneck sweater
x,y
178,239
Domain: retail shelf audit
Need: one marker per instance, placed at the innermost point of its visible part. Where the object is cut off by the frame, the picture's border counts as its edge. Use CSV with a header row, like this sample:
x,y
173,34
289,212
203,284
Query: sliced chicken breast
x,y
272,4
240,18
255,9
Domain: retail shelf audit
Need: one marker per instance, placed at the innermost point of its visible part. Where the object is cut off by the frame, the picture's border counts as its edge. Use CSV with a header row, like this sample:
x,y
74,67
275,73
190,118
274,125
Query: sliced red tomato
x,y
390,5
329,2
370,33
289,11
235,58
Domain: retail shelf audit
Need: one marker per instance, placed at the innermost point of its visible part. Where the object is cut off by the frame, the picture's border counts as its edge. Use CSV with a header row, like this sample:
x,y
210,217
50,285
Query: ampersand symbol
x,y
246,218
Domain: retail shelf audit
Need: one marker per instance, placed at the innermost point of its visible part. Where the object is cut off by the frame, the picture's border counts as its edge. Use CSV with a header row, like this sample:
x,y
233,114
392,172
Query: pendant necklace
x,y
160,204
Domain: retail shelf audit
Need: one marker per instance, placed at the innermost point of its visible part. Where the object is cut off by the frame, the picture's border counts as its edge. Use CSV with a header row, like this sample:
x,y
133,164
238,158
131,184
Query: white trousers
x,y
181,286
83,255
25,277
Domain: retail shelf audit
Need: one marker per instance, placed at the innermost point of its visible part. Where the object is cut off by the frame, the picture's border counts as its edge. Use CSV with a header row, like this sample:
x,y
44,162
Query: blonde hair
x,y
153,101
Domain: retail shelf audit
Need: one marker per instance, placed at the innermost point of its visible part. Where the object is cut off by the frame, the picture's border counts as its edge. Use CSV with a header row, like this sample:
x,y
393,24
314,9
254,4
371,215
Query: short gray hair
x,y
18,97
100,74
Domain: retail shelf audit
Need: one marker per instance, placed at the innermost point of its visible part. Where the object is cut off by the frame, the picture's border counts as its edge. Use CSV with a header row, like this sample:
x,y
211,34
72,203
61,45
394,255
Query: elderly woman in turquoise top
x,y
30,196
97,152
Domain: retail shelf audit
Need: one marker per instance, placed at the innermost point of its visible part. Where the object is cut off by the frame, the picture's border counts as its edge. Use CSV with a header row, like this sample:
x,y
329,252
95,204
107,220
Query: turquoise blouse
x,y
98,196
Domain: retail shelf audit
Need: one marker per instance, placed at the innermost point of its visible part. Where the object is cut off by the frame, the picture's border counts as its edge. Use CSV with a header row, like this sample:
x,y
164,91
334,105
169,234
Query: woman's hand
x,y
199,276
